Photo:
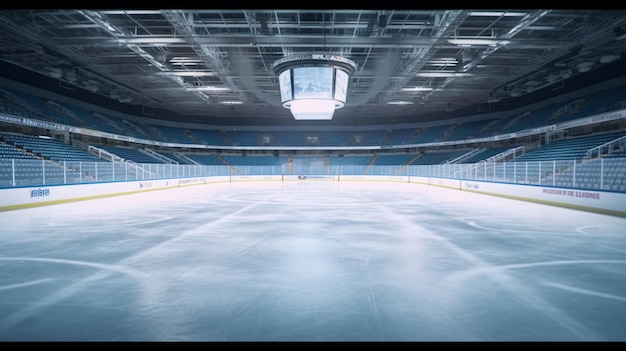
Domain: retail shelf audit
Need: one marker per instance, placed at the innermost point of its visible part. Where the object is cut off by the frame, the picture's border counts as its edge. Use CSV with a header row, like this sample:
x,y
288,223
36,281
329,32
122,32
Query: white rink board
x,y
587,200
46,195
584,199
597,201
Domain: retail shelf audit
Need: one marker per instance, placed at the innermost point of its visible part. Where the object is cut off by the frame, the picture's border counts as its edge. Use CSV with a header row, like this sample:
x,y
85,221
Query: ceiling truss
x,y
218,62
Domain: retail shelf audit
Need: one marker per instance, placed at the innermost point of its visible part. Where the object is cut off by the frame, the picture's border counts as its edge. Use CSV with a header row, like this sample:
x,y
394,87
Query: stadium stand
x,y
593,159
131,154
206,159
568,149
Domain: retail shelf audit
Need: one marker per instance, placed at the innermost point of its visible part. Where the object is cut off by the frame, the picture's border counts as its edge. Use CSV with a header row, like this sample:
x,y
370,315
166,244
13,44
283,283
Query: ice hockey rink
x,y
311,261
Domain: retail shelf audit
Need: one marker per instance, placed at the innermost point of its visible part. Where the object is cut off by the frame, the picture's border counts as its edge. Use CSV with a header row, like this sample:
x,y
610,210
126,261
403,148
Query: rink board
x,y
611,203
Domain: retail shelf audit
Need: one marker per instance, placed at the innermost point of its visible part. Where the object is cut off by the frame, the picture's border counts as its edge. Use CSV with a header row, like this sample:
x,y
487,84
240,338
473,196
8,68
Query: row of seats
x,y
569,149
47,148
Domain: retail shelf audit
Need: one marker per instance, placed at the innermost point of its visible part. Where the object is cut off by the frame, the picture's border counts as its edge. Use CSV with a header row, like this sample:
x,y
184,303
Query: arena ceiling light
x,y
185,61
417,89
206,88
187,73
313,86
497,13
478,41
442,74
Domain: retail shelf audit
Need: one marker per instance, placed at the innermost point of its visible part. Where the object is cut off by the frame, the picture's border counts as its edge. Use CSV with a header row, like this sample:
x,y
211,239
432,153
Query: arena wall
x,y
610,203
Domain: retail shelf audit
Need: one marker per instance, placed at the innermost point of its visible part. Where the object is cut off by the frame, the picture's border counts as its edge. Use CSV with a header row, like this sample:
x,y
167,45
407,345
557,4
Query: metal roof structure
x,y
216,64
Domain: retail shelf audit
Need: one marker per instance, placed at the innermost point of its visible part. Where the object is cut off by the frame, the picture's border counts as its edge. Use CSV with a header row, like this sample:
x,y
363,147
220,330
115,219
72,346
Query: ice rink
x,y
311,261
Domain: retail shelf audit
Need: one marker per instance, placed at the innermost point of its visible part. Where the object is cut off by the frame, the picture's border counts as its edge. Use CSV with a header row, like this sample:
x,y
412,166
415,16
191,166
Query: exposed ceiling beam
x,y
307,41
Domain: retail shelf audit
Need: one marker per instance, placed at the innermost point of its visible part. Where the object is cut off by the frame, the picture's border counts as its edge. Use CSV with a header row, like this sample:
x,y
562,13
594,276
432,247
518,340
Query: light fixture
x,y
176,63
496,13
445,62
185,61
417,89
478,41
206,88
188,73
400,103
442,74
313,86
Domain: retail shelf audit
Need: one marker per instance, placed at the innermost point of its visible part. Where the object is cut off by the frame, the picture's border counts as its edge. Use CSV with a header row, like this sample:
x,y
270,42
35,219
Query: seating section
x,y
244,138
394,160
174,135
34,160
206,159
25,105
608,100
338,161
208,137
587,175
283,138
437,157
400,136
9,151
36,172
46,148
486,154
467,130
177,157
255,160
130,154
568,149
15,102
431,134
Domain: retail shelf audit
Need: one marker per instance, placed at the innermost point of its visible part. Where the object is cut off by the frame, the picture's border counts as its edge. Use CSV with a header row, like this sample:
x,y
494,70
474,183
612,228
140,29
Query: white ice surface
x,y
311,261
